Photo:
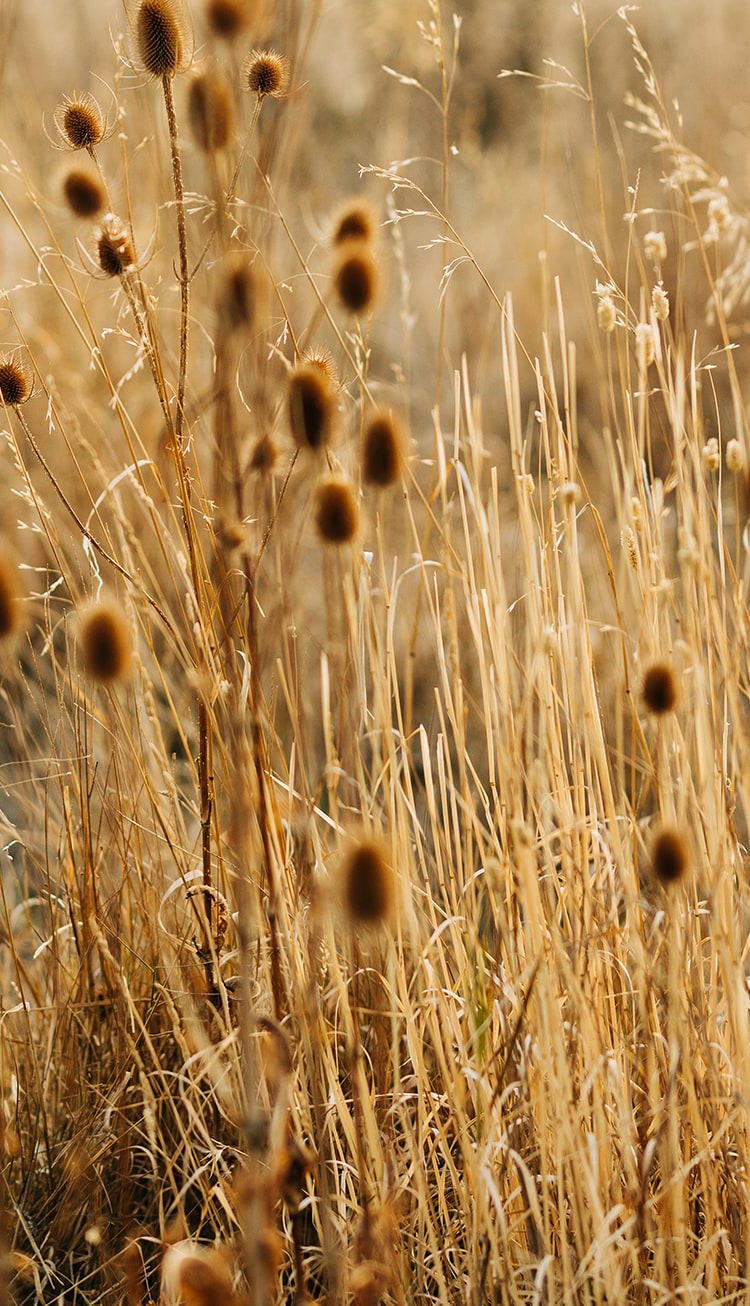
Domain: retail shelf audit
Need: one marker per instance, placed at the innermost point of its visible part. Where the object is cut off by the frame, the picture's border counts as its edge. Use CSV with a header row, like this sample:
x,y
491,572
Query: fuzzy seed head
x,y
659,689
322,359
80,122
336,512
355,221
114,248
655,246
735,457
84,193
236,293
382,451
228,18
16,381
210,112
606,314
105,642
355,276
265,72
660,302
311,408
159,38
10,608
367,884
264,456
669,857
645,344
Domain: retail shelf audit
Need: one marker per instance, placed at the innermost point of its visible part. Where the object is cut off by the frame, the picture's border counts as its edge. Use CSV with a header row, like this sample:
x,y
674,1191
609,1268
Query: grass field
x,y
374,629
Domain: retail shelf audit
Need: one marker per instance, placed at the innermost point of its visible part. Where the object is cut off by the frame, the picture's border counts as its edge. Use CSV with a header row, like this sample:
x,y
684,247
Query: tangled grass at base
x,y
375,770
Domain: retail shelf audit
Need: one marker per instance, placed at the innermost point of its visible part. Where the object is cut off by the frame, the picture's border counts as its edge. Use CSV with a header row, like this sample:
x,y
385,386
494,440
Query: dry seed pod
x,y
80,123
160,38
367,884
336,512
322,359
16,380
264,456
229,18
382,451
10,607
265,73
210,112
311,407
659,689
236,293
84,193
355,276
105,642
354,221
669,856
113,246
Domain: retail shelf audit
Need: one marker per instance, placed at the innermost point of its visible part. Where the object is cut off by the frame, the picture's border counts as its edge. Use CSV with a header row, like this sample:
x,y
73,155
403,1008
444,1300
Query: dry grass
x,y
374,809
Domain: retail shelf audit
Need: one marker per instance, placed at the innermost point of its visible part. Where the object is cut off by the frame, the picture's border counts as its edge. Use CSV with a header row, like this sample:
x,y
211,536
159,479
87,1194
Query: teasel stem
x,y
179,194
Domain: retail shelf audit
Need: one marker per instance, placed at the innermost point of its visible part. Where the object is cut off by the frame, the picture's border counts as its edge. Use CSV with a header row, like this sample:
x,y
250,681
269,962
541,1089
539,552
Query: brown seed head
x,y
336,512
293,1163
265,72
80,122
236,293
382,451
159,34
16,380
211,112
355,221
322,359
367,884
84,193
355,276
264,456
311,408
659,689
228,18
669,856
105,642
10,607
114,248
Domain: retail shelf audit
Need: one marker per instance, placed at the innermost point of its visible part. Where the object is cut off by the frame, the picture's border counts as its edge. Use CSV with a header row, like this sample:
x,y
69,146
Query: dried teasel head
x,y
211,111
382,451
355,276
16,379
355,220
265,73
10,604
106,642
336,512
238,289
160,33
659,688
228,19
83,192
669,856
367,883
113,247
80,123
311,406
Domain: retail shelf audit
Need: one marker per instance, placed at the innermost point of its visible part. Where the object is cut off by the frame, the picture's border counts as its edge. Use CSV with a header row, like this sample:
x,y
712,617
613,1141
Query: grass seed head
x,y
114,248
382,451
105,642
80,123
669,857
336,512
265,73
84,193
367,884
210,112
659,689
355,276
311,406
160,38
16,380
355,221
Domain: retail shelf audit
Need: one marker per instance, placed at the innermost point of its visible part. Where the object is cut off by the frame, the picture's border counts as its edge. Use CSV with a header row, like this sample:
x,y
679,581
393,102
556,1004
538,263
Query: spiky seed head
x,y
336,512
382,451
669,856
659,689
211,112
80,123
105,642
367,883
228,18
16,380
159,34
266,73
10,607
322,359
311,406
236,293
114,248
84,193
354,221
355,276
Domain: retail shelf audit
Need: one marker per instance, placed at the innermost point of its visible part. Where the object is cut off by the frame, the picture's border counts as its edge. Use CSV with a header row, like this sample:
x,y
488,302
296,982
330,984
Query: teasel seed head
x,y
355,276
265,455
10,604
211,112
114,247
367,884
354,221
659,689
382,451
229,18
323,360
16,380
236,293
105,642
311,406
80,123
84,193
336,512
160,38
669,856
265,73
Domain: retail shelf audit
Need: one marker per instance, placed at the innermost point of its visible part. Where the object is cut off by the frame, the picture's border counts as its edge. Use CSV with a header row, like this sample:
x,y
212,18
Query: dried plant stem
x,y
184,274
